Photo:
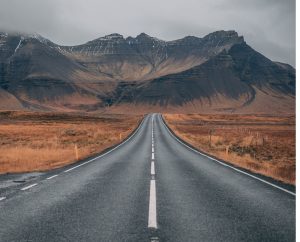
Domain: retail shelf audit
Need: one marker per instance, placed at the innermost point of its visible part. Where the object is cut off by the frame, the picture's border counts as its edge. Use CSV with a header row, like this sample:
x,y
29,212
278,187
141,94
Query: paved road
x,y
150,188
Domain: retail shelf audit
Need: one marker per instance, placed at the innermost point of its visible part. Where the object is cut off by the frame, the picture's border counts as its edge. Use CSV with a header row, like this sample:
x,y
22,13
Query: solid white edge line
x,y
224,164
152,221
2,198
100,156
152,168
49,178
30,186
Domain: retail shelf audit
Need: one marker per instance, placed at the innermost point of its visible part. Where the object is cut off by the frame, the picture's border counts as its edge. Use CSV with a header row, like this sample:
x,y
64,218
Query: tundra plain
x,y
263,144
40,141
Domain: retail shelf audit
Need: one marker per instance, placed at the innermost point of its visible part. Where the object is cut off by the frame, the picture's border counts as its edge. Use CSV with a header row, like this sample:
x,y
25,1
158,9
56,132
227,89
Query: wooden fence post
x,y
76,152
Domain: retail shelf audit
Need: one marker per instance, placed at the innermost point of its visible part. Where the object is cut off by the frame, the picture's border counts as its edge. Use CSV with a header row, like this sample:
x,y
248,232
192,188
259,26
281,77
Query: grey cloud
x,y
267,25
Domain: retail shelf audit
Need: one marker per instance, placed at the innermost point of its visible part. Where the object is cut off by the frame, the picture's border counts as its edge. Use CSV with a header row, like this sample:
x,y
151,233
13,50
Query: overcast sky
x,y
267,25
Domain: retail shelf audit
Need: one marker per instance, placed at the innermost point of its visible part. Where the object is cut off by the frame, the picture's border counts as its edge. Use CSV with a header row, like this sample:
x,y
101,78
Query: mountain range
x,y
217,73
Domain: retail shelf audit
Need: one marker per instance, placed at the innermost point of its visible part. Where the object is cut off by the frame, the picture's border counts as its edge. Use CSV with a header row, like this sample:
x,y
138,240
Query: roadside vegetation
x,y
35,141
263,144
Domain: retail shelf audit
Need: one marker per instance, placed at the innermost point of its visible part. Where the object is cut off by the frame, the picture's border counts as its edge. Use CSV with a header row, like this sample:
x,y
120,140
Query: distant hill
x,y
216,73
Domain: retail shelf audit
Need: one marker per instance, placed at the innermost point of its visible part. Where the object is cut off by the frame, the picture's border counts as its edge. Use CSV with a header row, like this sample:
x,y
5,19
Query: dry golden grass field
x,y
260,143
35,141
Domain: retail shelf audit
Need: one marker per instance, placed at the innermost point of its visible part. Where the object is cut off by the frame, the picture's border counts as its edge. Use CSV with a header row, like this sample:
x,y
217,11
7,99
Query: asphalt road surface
x,y
152,187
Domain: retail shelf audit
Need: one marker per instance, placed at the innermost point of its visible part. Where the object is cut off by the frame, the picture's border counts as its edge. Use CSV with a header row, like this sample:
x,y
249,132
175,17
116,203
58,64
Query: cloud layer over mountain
x,y
268,25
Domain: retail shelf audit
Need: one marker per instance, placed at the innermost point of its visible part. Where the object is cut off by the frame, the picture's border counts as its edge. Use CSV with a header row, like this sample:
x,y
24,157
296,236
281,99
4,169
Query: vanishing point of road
x,y
151,187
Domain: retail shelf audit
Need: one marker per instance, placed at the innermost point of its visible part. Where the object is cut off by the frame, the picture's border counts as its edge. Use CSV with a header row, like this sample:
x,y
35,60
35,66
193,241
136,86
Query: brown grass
x,y
264,144
41,141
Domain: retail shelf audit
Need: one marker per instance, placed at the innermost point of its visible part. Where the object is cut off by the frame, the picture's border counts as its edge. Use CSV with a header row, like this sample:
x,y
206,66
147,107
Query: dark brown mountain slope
x,y
146,57
229,81
218,72
35,71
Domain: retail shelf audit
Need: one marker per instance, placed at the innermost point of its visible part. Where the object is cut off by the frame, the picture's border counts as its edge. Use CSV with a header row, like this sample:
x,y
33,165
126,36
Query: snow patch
x,y
3,35
18,46
39,38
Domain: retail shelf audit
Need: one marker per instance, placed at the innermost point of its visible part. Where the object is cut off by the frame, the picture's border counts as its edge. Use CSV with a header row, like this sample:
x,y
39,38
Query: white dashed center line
x,y
152,168
2,198
152,222
30,186
152,218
